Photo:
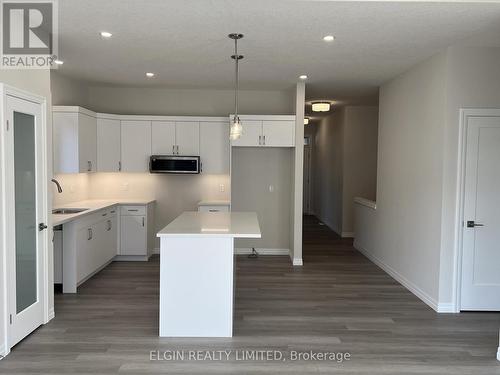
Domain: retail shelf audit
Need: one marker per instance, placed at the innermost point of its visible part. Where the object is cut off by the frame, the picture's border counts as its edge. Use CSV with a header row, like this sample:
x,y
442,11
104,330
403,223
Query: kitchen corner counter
x,y
92,206
213,224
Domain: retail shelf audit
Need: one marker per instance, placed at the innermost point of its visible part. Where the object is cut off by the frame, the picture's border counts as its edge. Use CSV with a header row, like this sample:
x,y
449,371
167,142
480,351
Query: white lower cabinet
x,y
133,235
89,244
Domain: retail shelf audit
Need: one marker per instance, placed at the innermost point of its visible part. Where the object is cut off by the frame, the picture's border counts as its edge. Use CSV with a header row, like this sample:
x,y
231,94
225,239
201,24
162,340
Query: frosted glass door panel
x,y
25,210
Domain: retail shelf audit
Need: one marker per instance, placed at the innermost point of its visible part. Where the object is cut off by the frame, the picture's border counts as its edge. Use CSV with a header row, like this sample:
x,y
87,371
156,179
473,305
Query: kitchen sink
x,y
68,211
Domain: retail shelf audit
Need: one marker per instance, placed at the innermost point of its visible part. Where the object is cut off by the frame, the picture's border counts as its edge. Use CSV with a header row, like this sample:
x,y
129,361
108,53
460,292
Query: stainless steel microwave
x,y
174,164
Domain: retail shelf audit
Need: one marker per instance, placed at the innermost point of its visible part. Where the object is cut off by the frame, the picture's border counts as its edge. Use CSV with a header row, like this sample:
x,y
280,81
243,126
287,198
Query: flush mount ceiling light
x,y
303,76
321,107
306,121
329,38
106,34
150,75
236,129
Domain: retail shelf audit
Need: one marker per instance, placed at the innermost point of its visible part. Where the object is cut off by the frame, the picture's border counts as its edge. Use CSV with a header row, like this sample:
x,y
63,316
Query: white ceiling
x,y
185,41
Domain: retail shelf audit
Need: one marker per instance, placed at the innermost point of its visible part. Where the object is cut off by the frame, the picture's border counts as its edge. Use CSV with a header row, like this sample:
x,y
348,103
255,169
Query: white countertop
x,y
93,206
214,203
213,224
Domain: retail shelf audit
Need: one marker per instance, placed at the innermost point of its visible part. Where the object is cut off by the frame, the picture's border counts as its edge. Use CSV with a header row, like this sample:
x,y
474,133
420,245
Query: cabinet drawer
x,y
133,210
213,208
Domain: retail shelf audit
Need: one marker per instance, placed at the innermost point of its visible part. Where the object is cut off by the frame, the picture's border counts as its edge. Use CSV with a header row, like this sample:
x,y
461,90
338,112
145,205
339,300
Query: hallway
x,y
338,302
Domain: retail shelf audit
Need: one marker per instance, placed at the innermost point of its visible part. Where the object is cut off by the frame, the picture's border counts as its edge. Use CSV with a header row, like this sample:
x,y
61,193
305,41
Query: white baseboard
x,y
248,250
2,351
52,314
297,262
400,278
347,235
448,308
131,258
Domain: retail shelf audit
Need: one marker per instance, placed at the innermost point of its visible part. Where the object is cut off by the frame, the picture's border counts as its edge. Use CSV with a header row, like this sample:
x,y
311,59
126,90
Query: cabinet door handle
x,y
89,166
133,210
89,237
143,221
173,149
119,166
109,225
177,149
105,214
264,137
260,140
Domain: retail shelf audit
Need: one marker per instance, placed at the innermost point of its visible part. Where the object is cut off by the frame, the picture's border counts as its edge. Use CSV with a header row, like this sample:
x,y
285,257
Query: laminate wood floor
x,y
337,302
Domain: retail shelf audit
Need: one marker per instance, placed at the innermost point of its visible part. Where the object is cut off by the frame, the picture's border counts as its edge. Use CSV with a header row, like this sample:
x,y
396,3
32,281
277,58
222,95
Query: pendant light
x,y
236,129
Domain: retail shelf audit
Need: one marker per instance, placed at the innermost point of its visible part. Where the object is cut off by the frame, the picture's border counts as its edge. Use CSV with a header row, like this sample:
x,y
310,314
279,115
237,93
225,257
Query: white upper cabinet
x,y
251,135
187,137
74,140
214,147
267,131
176,138
278,133
108,145
163,138
135,145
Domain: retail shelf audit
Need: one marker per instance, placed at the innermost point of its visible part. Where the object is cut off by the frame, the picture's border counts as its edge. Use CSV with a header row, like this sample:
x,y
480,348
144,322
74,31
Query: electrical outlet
x,y
222,188
271,188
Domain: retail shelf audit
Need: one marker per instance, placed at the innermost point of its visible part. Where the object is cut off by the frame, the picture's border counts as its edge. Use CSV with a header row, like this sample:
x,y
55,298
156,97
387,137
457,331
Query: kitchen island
x,y
197,272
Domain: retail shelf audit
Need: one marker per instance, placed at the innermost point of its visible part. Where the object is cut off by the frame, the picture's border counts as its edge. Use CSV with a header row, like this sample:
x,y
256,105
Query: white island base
x,y
197,272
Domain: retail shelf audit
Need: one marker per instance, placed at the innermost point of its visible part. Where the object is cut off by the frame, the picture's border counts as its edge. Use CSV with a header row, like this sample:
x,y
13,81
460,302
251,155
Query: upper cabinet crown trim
x,y
266,117
73,109
111,116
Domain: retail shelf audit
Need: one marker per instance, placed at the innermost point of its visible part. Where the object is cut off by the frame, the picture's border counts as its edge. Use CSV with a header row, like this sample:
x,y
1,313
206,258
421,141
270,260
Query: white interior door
x,y
26,192
481,231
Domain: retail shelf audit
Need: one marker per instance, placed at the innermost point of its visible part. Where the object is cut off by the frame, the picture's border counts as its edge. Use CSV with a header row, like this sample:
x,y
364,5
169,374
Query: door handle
x,y
473,224
42,226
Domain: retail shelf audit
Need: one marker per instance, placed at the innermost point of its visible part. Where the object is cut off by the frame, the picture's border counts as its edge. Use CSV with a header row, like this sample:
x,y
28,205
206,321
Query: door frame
x,y
465,113
6,90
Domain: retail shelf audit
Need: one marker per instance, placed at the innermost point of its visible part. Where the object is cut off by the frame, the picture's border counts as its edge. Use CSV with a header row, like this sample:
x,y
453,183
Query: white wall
x,y
168,101
36,82
327,169
473,82
359,160
254,170
407,233
344,164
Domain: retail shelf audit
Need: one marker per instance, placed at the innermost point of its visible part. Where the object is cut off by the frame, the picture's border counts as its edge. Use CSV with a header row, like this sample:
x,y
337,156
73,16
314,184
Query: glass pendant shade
x,y
236,129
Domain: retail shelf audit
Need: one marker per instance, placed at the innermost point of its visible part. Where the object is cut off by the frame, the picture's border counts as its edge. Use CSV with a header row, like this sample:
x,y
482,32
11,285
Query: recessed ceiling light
x,y
58,62
106,34
303,76
329,38
149,74
306,121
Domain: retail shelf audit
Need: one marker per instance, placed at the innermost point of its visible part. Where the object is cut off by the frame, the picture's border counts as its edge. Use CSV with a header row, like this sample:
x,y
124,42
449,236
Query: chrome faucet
x,y
59,188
